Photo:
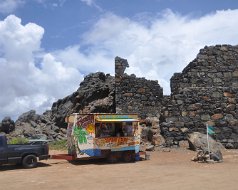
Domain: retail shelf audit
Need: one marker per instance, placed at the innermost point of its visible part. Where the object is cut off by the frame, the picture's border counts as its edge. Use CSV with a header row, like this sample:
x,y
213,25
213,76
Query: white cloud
x,y
8,6
86,63
24,85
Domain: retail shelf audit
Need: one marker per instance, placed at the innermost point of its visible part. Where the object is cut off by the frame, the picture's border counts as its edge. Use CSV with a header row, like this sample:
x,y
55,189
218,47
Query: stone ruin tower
x,y
136,95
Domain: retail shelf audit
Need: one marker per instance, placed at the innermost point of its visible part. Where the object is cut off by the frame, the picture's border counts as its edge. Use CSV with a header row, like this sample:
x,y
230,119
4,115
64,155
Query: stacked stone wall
x,y
206,92
136,95
215,66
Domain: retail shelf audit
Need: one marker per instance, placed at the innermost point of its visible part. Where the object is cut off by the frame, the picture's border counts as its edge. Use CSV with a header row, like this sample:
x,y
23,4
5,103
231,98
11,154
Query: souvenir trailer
x,y
111,136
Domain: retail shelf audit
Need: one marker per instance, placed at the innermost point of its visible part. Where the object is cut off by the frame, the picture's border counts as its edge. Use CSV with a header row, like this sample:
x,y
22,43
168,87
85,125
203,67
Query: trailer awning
x,y
116,120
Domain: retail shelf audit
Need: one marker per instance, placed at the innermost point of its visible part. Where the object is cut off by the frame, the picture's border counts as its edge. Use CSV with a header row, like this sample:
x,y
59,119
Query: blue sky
x,y
48,46
66,20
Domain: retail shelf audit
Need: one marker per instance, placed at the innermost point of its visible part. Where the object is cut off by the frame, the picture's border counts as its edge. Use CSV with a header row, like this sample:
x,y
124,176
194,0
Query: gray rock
x,y
150,148
229,146
29,116
158,139
216,156
198,141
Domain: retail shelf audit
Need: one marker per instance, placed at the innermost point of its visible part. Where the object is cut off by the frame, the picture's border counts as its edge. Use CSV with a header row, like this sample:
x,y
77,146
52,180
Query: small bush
x,y
58,145
18,140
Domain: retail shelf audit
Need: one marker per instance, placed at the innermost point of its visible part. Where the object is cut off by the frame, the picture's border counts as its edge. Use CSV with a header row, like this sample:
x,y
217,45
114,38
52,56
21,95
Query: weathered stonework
x,y
136,95
205,92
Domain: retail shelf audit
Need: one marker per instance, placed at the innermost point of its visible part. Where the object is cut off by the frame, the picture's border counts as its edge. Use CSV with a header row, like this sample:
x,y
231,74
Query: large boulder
x,y
198,141
28,116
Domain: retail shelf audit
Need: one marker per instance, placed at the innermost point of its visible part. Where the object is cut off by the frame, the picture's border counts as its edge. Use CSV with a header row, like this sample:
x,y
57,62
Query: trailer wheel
x,y
29,161
128,157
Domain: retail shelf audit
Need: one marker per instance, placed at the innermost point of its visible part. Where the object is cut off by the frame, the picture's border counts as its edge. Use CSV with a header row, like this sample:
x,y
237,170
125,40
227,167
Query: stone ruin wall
x,y
136,95
205,92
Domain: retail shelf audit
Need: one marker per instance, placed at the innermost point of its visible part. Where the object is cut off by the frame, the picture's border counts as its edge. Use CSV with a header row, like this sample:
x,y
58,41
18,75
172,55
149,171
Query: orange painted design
x,y
90,128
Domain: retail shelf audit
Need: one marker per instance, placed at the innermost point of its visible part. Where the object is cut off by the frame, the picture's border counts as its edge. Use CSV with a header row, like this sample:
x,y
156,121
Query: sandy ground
x,y
164,170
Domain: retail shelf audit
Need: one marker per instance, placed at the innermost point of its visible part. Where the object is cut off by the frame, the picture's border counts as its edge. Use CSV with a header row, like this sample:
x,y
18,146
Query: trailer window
x,y
127,129
105,129
118,130
115,129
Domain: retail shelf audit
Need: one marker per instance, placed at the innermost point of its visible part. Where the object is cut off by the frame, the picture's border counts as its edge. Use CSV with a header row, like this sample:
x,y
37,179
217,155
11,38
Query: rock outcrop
x,y
34,126
95,94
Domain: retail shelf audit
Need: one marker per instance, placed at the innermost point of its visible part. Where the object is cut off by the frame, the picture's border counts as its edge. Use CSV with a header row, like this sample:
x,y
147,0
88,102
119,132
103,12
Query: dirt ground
x,y
165,170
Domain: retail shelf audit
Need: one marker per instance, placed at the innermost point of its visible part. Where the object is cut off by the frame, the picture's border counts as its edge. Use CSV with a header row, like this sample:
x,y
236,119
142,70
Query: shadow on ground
x,y
102,161
17,167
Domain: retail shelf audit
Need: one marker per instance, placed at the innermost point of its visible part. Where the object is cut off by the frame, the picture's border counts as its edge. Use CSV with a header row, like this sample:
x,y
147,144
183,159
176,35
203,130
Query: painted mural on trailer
x,y
83,140
83,133
118,143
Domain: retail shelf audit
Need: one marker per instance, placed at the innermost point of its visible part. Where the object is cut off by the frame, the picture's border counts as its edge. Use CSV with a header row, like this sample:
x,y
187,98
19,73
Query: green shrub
x,y
18,140
58,145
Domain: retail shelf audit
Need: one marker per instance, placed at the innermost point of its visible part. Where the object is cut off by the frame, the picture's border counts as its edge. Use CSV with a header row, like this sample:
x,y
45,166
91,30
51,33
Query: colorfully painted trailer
x,y
112,136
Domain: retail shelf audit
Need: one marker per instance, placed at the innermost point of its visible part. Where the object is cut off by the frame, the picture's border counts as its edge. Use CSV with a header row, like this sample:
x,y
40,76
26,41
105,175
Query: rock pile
x,y
151,137
34,126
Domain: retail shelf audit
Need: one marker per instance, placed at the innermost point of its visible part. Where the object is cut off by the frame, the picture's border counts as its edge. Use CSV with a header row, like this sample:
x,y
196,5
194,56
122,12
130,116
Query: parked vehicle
x,y
112,136
25,154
